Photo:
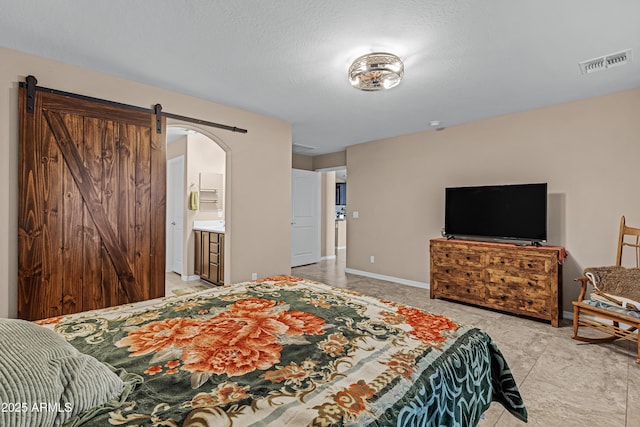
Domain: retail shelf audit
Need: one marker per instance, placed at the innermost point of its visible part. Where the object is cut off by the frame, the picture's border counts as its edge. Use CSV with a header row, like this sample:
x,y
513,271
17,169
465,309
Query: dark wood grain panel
x,y
126,194
93,204
111,203
87,108
34,299
92,256
142,263
91,229
52,164
158,215
73,245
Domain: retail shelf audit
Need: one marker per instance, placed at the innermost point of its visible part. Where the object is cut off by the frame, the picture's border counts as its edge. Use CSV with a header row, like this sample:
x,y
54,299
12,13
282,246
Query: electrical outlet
x,y
373,259
356,214
254,276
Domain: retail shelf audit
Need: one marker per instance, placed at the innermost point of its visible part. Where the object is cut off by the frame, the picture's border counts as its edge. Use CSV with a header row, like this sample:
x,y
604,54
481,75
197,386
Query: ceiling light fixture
x,y
376,71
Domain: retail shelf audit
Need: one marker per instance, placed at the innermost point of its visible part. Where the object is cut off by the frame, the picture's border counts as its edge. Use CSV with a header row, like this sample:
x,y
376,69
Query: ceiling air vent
x,y
299,148
604,62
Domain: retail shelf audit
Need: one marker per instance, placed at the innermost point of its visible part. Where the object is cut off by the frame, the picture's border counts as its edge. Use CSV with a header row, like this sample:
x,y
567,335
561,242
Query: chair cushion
x,y
598,301
619,285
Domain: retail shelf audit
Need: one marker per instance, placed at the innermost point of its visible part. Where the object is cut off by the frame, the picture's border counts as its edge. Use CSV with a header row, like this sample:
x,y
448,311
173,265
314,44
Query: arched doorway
x,y
203,156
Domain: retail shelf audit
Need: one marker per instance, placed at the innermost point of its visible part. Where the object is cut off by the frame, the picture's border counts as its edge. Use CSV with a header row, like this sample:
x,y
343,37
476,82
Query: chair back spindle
x,y
625,230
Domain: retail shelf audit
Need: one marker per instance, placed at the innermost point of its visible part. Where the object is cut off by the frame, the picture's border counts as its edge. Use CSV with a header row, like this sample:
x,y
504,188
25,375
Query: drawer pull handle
x,y
530,283
529,302
468,258
468,290
503,297
529,265
468,274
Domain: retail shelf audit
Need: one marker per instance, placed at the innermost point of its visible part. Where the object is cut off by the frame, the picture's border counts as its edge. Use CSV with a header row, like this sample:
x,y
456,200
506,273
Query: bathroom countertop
x,y
213,226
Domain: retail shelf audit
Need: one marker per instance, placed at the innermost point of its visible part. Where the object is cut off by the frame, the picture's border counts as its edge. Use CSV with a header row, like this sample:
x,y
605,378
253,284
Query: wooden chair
x,y
603,319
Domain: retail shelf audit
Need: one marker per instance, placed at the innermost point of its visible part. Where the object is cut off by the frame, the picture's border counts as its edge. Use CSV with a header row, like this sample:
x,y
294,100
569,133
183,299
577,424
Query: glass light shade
x,y
376,71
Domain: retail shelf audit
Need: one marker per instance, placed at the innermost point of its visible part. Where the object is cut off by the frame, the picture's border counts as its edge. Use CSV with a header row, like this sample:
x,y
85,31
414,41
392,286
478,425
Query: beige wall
x,y
258,165
323,161
177,148
587,151
341,235
331,160
327,232
204,156
300,161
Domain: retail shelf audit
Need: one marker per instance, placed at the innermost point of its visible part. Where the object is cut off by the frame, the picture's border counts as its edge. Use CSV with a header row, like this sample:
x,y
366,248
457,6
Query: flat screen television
x,y
497,212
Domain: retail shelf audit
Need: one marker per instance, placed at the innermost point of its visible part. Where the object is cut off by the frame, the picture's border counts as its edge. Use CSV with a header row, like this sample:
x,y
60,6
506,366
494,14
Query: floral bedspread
x,y
290,352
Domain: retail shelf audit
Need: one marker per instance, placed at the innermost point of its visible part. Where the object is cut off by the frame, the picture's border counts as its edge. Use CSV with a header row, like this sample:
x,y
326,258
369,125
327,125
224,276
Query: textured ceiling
x,y
464,60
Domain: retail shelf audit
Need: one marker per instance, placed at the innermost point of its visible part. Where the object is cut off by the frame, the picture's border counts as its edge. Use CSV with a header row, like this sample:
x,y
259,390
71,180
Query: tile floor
x,y
562,381
174,284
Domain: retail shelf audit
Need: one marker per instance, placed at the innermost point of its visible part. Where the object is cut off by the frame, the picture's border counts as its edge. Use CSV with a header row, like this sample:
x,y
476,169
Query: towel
x,y
193,201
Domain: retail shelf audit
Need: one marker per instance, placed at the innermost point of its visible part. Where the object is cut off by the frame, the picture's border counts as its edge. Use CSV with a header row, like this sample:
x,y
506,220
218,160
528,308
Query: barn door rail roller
x,y
31,84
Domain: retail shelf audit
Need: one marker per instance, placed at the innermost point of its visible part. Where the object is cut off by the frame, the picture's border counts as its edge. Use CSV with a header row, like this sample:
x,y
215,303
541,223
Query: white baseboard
x,y
327,257
341,248
407,282
186,278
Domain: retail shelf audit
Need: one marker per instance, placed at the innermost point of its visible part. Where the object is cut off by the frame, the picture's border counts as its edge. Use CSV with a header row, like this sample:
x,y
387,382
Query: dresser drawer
x,y
535,306
459,275
514,298
453,289
459,258
532,284
526,263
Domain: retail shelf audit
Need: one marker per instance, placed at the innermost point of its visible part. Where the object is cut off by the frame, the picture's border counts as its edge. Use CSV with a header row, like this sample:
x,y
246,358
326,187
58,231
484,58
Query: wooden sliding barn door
x,y
91,226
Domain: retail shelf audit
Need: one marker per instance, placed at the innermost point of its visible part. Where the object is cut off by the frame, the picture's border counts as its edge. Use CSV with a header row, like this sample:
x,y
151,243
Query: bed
x,y
285,351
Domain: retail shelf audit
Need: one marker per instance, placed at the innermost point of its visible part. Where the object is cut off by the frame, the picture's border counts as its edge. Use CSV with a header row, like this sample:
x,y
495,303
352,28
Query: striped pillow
x,y
44,380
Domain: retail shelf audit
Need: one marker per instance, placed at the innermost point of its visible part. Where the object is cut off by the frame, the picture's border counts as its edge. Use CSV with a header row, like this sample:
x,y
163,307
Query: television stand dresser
x,y
523,280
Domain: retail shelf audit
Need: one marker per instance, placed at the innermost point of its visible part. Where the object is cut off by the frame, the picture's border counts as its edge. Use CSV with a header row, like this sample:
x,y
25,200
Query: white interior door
x,y
305,217
175,213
